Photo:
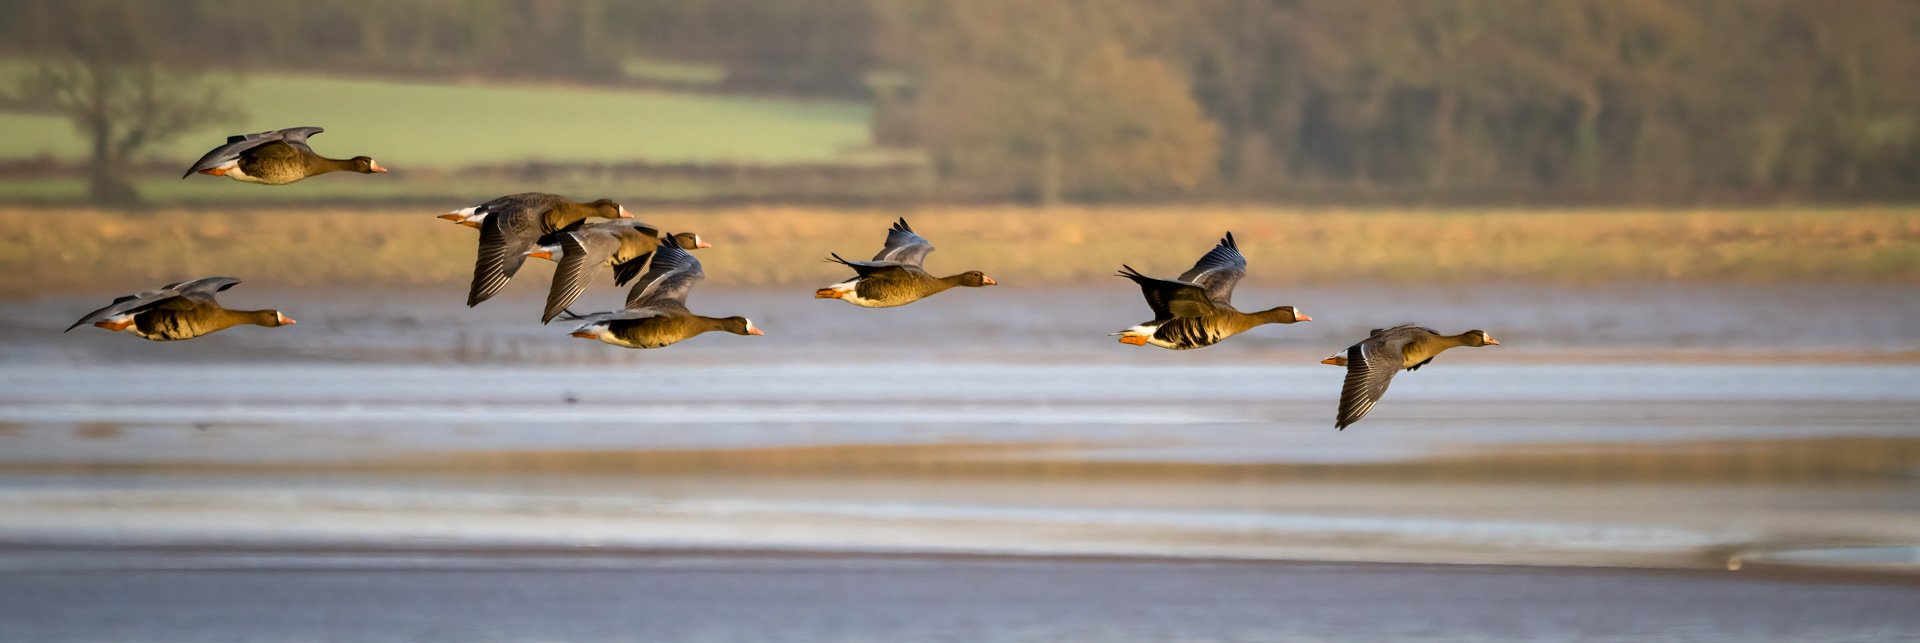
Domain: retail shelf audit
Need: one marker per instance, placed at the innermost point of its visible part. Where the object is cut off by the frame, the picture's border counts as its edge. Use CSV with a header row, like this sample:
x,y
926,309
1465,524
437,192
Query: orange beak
x,y
624,214
755,331
286,321
701,244
987,281
1301,317
1492,342
375,166
585,335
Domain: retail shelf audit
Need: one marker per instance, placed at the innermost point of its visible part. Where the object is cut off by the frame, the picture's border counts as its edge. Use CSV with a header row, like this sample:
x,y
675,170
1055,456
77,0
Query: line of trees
x,y
1570,99
1066,99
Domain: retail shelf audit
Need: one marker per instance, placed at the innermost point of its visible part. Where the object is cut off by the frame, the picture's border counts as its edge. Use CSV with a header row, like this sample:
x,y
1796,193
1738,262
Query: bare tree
x,y
104,75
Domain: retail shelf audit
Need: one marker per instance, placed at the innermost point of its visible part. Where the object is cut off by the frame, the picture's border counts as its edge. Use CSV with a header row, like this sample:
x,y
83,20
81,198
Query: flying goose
x,y
894,276
656,314
1195,311
511,226
278,157
623,245
178,311
1372,363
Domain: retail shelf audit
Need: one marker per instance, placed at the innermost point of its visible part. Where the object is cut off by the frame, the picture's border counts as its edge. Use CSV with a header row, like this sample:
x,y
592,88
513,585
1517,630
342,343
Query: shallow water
x,y
409,596
1664,425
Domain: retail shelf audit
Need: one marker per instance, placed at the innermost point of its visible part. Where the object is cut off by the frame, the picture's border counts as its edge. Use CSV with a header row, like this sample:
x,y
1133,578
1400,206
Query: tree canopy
x,y
1282,99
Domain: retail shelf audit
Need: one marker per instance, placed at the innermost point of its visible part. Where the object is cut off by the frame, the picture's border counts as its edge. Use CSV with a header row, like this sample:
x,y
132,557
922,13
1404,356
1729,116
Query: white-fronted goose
x,y
656,313
178,311
1196,311
278,157
894,276
511,225
625,246
1372,363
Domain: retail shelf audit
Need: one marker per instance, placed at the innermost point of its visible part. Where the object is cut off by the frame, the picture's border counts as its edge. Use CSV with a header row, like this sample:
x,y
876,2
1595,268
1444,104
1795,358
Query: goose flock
x,y
1192,311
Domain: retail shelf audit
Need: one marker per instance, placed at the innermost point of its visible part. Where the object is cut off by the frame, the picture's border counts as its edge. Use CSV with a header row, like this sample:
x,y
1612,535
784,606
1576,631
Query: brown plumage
x,y
278,157
513,224
656,315
178,311
1372,363
894,276
1196,311
626,246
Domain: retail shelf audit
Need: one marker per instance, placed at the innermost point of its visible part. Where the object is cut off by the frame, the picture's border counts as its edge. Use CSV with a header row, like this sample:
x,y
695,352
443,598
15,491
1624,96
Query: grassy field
x,y
90,250
344,189
447,125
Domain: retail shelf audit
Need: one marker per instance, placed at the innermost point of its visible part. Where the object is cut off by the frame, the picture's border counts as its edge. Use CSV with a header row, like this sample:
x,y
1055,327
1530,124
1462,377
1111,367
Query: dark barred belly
x,y
167,326
1186,333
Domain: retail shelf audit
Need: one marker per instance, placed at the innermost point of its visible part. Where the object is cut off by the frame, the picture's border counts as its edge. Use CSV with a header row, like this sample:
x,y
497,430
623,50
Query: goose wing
x,y
511,227
202,289
1218,270
869,269
1370,368
904,245
589,321
582,253
671,276
1169,298
240,143
636,265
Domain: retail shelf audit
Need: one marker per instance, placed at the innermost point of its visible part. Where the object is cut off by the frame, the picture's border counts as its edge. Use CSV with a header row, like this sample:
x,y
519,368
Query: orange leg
x,y
1135,340
827,293
214,171
115,327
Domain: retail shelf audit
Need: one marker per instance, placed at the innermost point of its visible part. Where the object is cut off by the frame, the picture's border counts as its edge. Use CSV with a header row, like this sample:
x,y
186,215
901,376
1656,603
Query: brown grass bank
x,y
80,249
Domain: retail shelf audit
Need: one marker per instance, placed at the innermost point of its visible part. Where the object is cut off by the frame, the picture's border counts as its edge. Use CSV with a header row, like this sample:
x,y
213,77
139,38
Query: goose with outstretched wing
x,y
894,277
278,157
1372,362
178,311
1196,310
656,315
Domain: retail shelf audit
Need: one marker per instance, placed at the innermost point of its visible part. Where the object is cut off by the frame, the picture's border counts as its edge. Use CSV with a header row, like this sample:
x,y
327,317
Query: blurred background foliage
x,y
1398,101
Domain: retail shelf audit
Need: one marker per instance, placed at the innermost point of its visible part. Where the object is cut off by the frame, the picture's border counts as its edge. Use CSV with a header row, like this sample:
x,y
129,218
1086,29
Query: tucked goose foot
x,y
214,171
1133,340
827,293
114,326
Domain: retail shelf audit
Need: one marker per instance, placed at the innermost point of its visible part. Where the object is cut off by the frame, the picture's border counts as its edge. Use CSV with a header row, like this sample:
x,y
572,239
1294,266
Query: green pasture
x,y
409,124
